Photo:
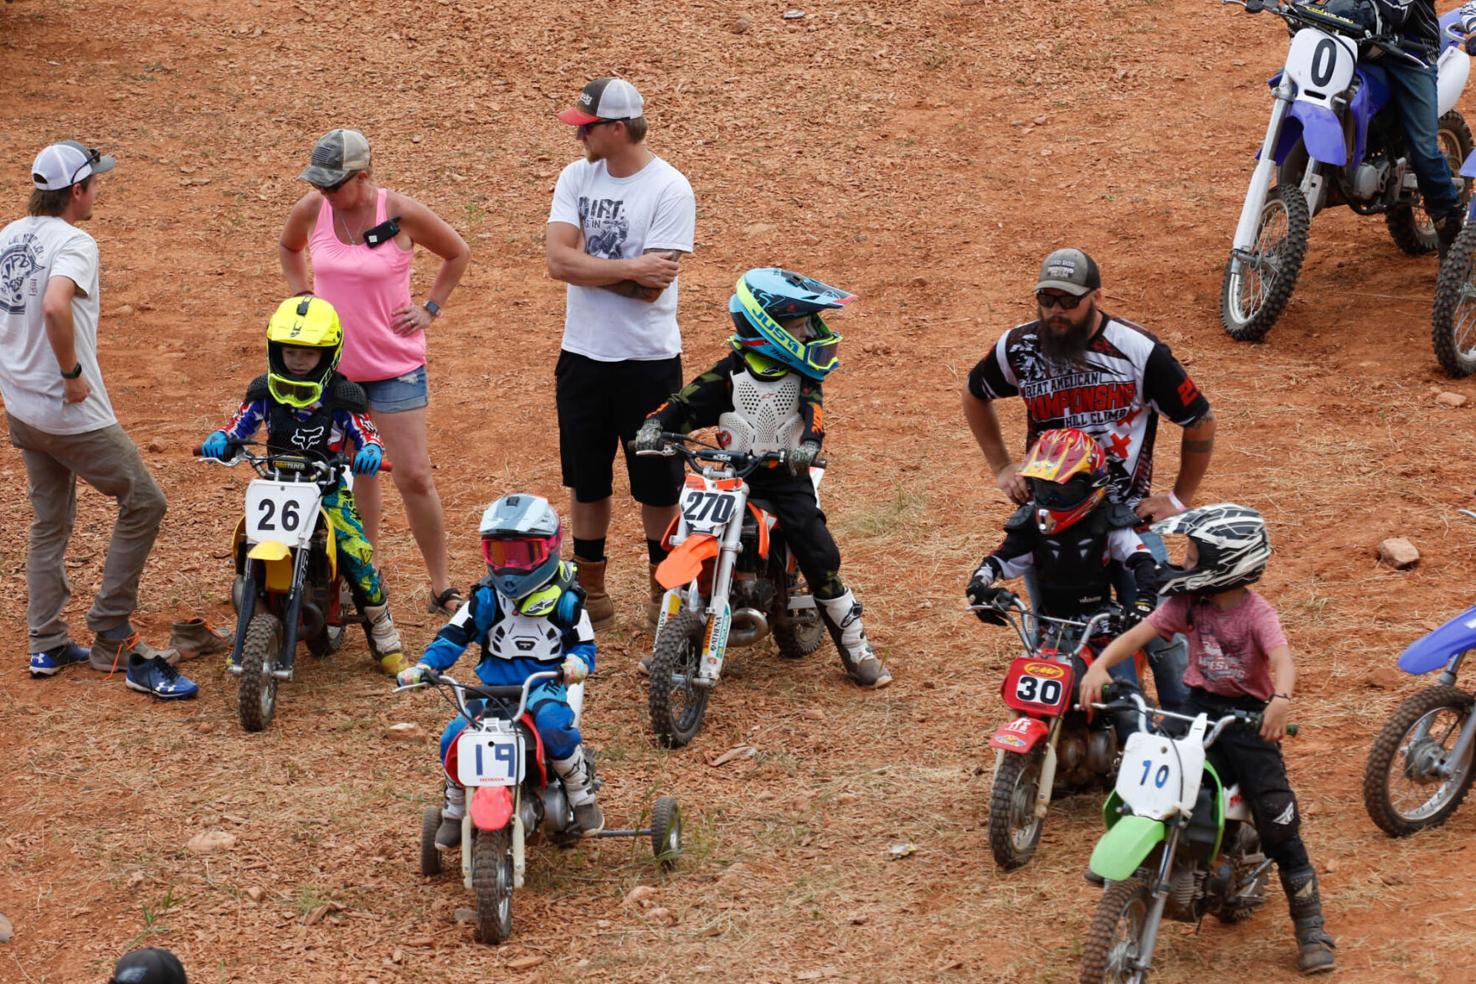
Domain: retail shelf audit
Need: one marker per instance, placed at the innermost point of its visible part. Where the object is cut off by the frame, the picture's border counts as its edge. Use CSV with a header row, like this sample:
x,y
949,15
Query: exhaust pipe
x,y
748,627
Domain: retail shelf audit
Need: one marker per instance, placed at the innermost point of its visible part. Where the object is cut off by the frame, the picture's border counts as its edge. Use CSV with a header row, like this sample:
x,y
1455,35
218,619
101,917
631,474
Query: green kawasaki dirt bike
x,y
1179,843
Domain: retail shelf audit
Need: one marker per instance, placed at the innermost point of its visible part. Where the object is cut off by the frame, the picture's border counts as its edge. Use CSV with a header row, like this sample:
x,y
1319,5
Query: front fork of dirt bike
x,y
1247,229
1161,885
719,611
1048,769
291,618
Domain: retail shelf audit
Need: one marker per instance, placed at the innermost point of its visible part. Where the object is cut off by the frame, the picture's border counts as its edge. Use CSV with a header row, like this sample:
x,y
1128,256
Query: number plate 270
x,y
707,509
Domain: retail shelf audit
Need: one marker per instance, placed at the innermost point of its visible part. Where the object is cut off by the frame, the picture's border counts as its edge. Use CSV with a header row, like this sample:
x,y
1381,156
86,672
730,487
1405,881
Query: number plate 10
x,y
1038,686
489,758
282,511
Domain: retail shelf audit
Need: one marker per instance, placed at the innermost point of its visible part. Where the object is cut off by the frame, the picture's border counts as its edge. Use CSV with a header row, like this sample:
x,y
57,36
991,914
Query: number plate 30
x,y
285,512
1038,686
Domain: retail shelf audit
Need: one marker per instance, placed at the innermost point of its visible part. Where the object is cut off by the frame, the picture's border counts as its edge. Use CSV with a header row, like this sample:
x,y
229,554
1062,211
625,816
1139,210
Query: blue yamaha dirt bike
x,y
1334,138
1180,844
1420,766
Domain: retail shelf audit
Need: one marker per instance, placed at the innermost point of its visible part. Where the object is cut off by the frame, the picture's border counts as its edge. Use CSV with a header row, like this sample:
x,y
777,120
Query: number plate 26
x,y
285,512
707,509
1038,686
489,758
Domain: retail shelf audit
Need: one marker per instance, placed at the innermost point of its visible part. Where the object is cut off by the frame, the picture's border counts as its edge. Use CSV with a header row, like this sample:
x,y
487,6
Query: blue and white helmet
x,y
762,298
1232,545
521,537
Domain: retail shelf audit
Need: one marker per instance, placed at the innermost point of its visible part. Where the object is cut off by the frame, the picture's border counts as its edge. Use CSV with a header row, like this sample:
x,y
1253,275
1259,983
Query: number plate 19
x,y
489,758
282,511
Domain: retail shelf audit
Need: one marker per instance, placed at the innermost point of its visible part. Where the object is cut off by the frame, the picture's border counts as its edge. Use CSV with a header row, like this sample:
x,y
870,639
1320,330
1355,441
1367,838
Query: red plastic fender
x,y
491,807
1020,735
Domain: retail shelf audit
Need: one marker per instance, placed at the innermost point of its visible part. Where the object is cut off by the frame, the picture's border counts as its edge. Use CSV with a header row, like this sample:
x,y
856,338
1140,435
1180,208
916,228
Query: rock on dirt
x,y
6,929
210,841
406,731
740,752
524,963
642,895
1448,399
464,915
661,914
254,893
1398,553
742,25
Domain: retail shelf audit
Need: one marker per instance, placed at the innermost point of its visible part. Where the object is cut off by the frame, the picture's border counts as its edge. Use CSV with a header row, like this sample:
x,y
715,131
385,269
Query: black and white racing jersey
x,y
1127,378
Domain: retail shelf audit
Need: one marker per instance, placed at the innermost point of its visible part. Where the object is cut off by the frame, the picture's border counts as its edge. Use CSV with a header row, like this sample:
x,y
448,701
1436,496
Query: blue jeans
x,y
398,393
1414,93
1168,658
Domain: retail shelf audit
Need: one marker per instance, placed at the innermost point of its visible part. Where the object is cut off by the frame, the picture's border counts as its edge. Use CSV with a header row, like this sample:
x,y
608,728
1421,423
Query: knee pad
x,y
554,720
1278,820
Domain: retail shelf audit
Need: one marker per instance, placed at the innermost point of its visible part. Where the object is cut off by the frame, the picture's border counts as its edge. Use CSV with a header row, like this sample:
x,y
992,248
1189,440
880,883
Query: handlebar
x,y
323,466
1105,621
1134,701
740,463
498,693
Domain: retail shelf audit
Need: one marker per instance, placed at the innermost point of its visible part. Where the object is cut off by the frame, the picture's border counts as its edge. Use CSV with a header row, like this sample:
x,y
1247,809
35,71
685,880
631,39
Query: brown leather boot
x,y
596,599
653,607
196,637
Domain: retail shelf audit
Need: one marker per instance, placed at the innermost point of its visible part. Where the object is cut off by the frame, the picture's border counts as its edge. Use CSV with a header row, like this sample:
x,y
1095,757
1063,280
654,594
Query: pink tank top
x,y
366,286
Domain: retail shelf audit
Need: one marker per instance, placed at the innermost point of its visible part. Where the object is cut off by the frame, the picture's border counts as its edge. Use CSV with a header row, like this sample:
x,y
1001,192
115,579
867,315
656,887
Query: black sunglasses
x,y
584,128
93,159
1066,302
330,189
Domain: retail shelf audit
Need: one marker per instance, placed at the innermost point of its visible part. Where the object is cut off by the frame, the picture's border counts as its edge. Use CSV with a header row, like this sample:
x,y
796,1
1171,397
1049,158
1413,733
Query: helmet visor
x,y
1061,495
294,392
516,555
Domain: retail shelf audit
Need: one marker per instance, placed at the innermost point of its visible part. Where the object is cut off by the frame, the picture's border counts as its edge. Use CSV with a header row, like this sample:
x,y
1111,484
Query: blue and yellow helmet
x,y
765,296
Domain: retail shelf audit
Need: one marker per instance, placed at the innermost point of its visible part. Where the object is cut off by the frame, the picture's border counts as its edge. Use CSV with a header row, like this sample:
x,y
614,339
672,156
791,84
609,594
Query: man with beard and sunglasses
x,y
1076,366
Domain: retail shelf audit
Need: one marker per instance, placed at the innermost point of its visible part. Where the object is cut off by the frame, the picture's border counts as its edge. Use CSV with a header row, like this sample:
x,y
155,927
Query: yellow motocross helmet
x,y
302,322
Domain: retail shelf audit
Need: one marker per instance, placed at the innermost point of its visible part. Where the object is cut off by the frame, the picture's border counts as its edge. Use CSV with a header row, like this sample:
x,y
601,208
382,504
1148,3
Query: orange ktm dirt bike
x,y
1052,745
730,581
515,799
287,585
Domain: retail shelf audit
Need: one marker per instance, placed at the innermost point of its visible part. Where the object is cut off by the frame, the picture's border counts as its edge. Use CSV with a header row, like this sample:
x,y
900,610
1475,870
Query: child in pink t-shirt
x,y
1238,658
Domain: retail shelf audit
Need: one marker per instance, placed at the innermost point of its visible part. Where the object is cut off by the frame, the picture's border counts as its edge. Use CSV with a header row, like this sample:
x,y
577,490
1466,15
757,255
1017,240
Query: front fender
x,y
1020,735
1122,849
1321,132
685,561
1433,651
491,807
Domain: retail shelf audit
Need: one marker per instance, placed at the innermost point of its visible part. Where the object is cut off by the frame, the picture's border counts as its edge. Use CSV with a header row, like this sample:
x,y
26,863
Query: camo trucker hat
x,y
605,99
62,165
1070,270
338,154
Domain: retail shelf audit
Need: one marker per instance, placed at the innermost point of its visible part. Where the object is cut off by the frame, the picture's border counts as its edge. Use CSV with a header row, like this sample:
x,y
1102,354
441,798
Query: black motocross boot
x,y
1447,228
1315,945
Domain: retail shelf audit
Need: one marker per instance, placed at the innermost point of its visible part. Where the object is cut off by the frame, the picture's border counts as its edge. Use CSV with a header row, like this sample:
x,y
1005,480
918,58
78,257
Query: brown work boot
x,y
596,599
653,607
109,655
196,637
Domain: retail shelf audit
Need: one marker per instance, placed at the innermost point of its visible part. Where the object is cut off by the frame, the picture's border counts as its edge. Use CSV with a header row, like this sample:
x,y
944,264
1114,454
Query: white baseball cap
x,y
605,99
62,165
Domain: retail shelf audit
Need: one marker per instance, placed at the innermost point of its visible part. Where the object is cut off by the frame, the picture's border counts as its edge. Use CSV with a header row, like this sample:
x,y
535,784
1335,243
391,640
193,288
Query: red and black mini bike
x,y
1052,744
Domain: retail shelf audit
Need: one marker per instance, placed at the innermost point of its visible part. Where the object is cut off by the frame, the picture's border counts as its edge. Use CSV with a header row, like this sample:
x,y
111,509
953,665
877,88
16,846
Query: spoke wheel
x,y
1014,829
1453,317
492,882
1256,290
256,697
677,707
1112,943
1410,226
1402,790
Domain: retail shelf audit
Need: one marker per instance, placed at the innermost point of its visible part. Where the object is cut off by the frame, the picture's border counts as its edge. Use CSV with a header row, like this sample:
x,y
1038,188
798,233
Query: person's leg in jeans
x,y
1168,658
1414,90
53,492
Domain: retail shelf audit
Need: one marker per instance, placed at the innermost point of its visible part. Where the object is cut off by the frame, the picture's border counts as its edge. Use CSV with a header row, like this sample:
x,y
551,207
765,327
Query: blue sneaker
x,y
51,661
155,676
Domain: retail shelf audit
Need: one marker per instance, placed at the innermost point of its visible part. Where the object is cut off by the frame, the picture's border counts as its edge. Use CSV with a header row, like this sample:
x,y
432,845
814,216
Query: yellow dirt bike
x,y
287,586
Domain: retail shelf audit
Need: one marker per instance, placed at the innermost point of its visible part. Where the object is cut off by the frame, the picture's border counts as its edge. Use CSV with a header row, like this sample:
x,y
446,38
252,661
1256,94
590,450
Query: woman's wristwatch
x,y
432,308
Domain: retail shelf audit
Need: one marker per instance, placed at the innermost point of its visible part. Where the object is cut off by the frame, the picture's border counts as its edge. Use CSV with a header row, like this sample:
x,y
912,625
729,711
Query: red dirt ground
x,y
924,154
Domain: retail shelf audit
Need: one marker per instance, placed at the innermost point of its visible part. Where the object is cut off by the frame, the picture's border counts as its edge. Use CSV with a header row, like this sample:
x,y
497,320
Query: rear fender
x,y
1433,651
1122,849
685,561
491,807
761,519
1020,735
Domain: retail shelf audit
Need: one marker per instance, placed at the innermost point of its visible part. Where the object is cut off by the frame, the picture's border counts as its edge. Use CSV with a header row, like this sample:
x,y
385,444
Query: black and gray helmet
x,y
1232,544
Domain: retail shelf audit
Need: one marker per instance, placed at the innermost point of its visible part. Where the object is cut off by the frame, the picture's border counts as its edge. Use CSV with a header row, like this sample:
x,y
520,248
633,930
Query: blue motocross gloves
x,y
367,461
215,445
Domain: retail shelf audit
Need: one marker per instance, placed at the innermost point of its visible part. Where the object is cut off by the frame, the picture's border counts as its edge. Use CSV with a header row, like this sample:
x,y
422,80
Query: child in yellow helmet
x,y
310,409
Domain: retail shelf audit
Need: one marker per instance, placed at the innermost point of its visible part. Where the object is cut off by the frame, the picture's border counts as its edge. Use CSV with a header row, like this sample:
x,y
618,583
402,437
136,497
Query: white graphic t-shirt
x,y
621,218
32,251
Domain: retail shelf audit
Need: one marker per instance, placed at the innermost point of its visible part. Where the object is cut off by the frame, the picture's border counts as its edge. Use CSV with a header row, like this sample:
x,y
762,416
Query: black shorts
x,y
602,405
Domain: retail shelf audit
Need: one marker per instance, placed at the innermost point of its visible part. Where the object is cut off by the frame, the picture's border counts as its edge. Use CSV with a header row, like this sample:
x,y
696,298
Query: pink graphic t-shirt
x,y
1227,649
365,286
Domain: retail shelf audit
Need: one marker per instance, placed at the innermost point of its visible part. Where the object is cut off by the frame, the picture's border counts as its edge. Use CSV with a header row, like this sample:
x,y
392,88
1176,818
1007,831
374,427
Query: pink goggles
x,y
518,554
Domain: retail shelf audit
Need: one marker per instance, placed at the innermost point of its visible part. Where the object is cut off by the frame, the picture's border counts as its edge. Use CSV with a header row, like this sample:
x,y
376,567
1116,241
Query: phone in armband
x,y
376,236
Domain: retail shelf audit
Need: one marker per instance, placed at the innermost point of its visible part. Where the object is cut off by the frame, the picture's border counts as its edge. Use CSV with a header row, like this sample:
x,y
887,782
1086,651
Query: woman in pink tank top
x,y
361,239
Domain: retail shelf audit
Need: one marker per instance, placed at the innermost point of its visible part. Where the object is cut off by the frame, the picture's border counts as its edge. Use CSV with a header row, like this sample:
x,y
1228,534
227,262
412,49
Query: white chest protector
x,y
519,636
765,415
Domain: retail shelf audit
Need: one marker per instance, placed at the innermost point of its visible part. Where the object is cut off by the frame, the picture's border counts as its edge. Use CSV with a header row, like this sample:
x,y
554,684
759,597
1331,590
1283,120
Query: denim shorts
x,y
399,393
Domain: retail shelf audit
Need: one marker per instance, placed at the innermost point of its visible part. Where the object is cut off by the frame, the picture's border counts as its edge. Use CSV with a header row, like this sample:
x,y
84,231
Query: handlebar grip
x,y
198,451
1291,730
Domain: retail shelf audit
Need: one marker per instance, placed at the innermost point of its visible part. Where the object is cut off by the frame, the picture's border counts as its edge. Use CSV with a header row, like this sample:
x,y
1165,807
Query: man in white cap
x,y
61,419
621,220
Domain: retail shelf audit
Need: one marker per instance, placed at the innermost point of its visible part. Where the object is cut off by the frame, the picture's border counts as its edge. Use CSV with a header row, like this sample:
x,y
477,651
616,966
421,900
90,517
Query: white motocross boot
x,y
843,618
448,834
575,773
384,639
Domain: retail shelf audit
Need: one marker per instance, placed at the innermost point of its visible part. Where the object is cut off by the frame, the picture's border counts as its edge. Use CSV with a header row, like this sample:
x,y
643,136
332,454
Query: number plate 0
x,y
489,758
282,511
